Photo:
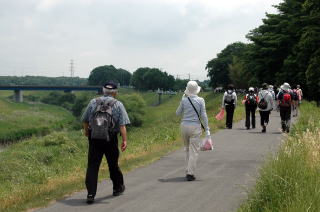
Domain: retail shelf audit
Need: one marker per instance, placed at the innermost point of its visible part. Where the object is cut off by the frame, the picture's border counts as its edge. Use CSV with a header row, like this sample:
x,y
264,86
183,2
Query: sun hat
x,y
192,88
251,89
285,86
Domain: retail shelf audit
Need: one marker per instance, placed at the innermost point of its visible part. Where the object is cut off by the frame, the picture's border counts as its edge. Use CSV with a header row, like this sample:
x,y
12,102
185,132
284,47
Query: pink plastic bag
x,y
220,115
206,144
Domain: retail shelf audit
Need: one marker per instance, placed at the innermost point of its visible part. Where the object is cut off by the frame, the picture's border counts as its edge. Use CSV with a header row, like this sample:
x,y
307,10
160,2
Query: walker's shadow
x,y
241,128
173,180
82,202
266,133
255,132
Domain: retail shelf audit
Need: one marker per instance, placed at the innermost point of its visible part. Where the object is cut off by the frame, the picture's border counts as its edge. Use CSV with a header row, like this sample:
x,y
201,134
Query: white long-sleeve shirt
x,y
189,116
235,98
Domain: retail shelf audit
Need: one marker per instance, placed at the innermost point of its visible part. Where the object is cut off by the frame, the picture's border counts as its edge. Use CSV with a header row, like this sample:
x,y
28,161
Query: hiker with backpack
x,y
285,102
193,111
250,101
295,102
229,103
300,94
265,106
104,118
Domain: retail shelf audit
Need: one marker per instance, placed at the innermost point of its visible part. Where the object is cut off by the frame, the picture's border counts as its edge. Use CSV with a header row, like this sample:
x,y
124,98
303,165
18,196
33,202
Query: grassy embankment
x,y
291,180
34,172
23,120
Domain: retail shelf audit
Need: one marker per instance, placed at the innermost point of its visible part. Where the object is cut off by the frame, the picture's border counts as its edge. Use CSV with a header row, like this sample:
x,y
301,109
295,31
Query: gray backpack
x,y
102,122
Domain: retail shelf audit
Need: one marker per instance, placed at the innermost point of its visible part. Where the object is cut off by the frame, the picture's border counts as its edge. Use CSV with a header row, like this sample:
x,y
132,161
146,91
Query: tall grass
x,y
291,181
38,170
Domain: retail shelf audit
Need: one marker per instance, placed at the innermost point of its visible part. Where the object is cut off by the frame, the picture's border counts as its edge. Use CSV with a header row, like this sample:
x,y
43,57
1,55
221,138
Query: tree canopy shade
x,y
285,48
152,79
100,75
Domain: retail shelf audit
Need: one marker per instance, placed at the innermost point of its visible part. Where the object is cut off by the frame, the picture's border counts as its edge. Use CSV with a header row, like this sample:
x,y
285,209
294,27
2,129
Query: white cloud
x,y
179,36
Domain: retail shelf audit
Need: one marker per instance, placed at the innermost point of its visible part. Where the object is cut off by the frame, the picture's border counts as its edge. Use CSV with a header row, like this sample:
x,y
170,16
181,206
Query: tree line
x,y
142,79
41,80
285,48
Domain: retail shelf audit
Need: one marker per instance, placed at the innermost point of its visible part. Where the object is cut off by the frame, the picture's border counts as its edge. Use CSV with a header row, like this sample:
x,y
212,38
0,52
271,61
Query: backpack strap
x,y
196,113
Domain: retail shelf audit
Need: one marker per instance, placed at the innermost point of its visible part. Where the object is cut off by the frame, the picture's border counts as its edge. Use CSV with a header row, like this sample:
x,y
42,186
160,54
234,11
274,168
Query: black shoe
x,y
119,191
264,129
90,199
254,127
190,177
248,128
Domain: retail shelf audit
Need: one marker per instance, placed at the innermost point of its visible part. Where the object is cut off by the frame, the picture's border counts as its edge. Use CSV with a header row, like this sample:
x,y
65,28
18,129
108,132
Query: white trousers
x,y
191,138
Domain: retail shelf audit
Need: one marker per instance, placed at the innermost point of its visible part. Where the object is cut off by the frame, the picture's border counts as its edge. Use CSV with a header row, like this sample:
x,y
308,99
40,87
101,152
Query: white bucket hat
x,y
192,88
251,89
285,86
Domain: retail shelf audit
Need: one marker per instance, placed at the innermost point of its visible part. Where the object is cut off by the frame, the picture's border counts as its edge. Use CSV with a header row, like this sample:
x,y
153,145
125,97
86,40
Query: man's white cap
x,y
192,88
251,89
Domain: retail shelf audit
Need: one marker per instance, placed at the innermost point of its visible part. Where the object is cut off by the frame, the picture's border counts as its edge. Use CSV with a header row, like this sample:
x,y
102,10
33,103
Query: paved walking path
x,y
223,177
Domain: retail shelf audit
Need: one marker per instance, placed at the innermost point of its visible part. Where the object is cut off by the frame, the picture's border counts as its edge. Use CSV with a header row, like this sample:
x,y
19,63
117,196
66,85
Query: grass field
x,y
21,120
290,182
38,170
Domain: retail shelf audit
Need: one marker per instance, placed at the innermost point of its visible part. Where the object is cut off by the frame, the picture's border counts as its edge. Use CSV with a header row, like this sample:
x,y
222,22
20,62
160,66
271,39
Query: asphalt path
x,y
224,177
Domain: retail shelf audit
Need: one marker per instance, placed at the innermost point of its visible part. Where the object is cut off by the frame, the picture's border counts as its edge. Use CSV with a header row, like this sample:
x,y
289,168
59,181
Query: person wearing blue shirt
x,y
99,148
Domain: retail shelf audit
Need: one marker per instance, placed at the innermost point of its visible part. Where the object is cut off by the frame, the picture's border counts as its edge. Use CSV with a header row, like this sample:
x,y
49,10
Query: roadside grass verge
x,y
21,120
39,170
291,180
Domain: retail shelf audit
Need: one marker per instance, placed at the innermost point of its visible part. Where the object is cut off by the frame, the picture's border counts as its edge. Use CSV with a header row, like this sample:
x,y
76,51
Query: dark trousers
x,y
264,117
251,111
285,114
229,119
96,151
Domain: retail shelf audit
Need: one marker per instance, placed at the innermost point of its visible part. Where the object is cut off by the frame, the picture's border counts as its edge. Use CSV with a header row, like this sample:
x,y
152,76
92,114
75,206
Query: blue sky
x,y
40,37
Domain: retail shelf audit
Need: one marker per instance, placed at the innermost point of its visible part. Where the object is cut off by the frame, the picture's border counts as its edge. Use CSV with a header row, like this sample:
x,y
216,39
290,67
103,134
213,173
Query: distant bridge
x,y
19,88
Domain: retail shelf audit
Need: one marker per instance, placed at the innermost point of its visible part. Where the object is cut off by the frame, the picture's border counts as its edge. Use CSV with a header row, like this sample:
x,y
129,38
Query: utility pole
x,y
71,69
189,77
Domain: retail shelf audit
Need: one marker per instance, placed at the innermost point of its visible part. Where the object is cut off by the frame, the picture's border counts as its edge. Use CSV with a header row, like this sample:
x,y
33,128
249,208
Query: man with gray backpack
x,y
265,106
103,119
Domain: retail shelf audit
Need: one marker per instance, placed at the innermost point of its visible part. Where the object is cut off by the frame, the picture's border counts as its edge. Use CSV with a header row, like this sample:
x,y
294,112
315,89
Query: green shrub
x,y
135,107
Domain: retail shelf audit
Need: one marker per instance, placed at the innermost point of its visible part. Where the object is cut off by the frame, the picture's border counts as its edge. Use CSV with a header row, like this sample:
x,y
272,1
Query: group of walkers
x,y
105,117
286,101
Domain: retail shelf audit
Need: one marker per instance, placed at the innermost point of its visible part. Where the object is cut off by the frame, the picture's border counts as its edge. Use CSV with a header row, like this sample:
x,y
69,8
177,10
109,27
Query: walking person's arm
x,y
235,99
85,119
123,132
85,126
179,109
204,117
223,99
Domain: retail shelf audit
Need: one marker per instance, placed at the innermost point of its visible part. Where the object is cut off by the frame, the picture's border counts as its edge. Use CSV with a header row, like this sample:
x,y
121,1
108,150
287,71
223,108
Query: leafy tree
x,y
238,74
100,75
218,68
152,79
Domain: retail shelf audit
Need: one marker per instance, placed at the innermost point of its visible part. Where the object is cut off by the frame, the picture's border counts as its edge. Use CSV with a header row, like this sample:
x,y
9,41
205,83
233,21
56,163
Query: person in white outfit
x,y
265,106
192,109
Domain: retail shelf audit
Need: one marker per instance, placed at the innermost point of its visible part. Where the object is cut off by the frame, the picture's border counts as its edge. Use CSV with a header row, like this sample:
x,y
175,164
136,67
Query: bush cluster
x,y
134,104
